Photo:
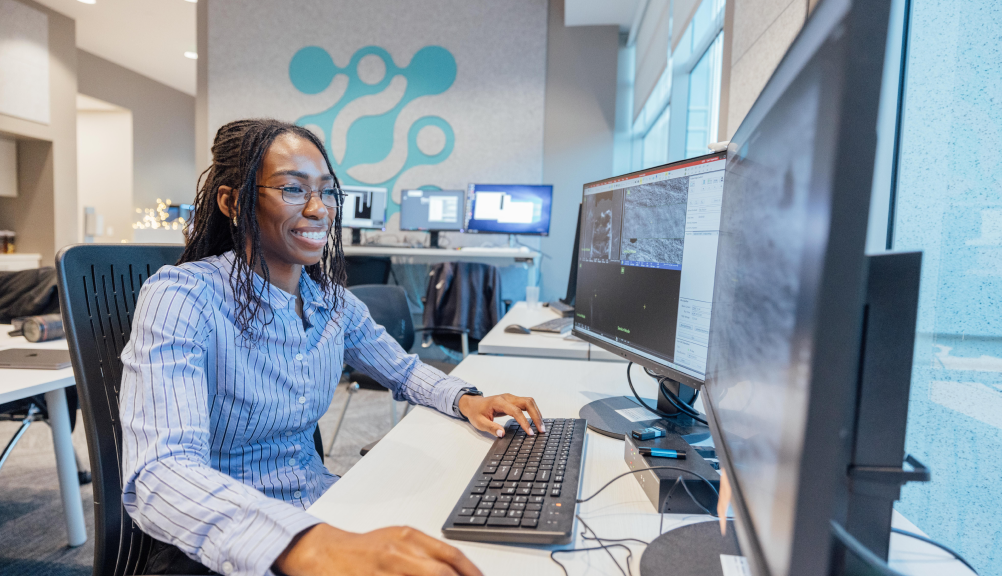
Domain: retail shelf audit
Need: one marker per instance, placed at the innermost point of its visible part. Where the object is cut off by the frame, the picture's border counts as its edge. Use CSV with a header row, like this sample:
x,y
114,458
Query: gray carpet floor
x,y
32,526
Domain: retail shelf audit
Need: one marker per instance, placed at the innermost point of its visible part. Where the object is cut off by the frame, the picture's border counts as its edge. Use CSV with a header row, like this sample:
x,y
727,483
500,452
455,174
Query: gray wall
x,y
163,121
761,32
44,215
580,117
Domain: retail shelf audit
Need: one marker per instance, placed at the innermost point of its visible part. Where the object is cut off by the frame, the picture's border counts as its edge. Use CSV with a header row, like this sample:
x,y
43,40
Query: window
x,y
949,205
704,100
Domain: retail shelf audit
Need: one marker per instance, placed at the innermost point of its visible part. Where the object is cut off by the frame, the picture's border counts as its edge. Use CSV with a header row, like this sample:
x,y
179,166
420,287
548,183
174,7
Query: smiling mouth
x,y
310,235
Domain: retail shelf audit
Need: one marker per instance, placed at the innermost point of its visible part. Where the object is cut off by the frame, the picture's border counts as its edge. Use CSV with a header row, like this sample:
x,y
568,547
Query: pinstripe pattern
x,y
218,454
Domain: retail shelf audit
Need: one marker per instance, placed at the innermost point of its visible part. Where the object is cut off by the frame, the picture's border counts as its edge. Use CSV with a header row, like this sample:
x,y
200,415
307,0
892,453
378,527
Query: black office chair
x,y
98,288
461,305
368,270
388,308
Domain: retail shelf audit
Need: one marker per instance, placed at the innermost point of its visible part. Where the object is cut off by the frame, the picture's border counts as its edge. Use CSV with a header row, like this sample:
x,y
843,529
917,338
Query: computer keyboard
x,y
557,325
526,488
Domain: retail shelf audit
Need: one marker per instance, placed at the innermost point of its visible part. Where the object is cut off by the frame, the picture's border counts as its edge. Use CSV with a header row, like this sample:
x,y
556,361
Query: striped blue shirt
x,y
218,455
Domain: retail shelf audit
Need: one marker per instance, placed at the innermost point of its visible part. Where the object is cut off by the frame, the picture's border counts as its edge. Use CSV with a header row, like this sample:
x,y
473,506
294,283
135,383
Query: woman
x,y
234,356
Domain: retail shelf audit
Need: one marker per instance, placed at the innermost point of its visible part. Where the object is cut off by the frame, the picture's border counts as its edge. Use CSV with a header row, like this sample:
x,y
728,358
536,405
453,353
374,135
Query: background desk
x,y
494,256
17,384
417,472
538,344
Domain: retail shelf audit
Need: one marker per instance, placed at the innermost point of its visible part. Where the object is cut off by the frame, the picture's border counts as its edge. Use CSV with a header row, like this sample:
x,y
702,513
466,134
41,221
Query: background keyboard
x,y
557,325
525,489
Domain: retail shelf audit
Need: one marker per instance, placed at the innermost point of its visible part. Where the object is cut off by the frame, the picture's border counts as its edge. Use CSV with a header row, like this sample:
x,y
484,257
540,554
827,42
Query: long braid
x,y
237,152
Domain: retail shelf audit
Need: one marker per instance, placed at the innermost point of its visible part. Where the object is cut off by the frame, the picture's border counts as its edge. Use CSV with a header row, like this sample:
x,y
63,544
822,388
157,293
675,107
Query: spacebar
x,y
499,521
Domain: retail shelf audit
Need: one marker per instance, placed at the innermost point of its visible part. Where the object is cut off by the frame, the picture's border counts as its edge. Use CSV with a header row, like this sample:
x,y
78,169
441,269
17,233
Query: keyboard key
x,y
511,484
466,512
483,512
490,469
530,514
515,474
555,492
558,478
496,521
504,498
495,462
544,475
529,523
526,491
517,506
539,485
478,490
496,484
471,502
540,492
502,473
488,498
499,512
529,476
485,506
558,486
536,499
470,520
508,491
514,513
521,499
533,507
502,505
525,484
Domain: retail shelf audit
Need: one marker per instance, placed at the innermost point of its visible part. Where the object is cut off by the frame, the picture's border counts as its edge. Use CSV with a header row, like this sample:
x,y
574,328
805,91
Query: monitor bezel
x,y
462,221
471,190
386,205
659,368
840,292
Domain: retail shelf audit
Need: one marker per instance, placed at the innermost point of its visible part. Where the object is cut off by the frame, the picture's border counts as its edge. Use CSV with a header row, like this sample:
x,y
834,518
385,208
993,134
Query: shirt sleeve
x,y
170,489
369,349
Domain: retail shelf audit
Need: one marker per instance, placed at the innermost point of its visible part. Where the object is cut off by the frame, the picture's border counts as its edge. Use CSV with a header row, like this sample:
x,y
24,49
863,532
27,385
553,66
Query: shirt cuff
x,y
453,388
254,543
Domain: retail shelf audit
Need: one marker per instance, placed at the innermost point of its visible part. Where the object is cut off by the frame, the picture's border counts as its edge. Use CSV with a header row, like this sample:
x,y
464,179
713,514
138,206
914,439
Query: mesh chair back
x,y
98,288
388,307
368,270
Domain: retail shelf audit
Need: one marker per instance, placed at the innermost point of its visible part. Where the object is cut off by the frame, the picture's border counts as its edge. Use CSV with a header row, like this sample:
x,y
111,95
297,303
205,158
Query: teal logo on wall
x,y
369,138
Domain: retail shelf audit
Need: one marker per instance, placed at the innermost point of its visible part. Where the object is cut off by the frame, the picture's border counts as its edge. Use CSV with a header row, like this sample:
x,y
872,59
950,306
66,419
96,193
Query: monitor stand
x,y
619,415
356,237
690,550
433,242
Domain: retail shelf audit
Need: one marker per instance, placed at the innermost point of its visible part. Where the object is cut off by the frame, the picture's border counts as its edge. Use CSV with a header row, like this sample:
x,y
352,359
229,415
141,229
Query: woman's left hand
x,y
481,411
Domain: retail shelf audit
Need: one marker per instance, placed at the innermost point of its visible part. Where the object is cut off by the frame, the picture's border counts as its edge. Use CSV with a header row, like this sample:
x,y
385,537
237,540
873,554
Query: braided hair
x,y
237,152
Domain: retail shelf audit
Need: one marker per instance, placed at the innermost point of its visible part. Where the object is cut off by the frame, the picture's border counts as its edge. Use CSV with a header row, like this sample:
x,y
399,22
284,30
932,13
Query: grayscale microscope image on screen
x,y
364,207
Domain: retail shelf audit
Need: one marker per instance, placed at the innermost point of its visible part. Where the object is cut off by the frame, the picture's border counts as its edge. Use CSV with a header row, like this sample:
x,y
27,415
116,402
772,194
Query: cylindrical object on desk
x,y
43,328
532,296
7,241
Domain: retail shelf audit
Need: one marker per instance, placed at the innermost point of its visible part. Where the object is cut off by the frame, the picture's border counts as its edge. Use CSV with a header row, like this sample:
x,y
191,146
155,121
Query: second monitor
x,y
509,209
364,209
432,211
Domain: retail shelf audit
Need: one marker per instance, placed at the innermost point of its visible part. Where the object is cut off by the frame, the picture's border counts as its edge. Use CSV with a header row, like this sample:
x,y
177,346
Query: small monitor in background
x,y
508,209
432,211
364,209
184,211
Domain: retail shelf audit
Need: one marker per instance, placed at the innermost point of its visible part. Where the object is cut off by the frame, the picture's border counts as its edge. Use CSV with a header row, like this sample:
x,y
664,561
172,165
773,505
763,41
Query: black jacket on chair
x,y
463,296
28,293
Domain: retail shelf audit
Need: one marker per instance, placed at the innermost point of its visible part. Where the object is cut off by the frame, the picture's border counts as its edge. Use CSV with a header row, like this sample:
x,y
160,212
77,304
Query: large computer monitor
x,y
508,209
645,277
783,375
364,209
432,211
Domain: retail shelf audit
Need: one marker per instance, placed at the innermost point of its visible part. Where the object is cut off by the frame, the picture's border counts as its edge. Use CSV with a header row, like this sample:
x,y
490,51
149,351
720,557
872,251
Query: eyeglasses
x,y
300,194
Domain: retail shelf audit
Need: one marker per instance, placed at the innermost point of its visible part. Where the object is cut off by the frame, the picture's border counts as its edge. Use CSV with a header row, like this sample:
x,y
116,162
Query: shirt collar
x,y
275,297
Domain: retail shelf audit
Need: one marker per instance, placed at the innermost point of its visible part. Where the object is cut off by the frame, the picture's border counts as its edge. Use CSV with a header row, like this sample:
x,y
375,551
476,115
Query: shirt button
x,y
227,568
297,494
289,432
302,399
298,447
299,356
292,461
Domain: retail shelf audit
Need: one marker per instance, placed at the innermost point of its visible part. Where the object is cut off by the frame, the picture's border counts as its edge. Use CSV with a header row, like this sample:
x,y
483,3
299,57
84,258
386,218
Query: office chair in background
x,y
368,270
98,288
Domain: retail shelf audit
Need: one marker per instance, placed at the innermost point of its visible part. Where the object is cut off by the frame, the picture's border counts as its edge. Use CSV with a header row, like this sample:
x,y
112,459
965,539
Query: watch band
x,y
472,391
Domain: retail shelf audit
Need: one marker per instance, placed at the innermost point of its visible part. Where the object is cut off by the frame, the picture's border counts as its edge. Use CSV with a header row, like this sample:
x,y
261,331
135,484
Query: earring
x,y
234,220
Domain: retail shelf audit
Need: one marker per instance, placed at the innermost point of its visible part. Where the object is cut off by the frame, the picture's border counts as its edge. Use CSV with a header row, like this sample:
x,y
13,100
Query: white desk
x,y
538,344
17,384
494,256
417,472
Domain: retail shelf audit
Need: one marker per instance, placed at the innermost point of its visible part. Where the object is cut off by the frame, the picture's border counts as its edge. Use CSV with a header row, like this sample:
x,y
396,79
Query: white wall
x,y
104,171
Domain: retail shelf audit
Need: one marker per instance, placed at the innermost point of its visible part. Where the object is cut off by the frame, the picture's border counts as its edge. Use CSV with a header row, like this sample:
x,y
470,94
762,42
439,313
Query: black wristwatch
x,y
472,391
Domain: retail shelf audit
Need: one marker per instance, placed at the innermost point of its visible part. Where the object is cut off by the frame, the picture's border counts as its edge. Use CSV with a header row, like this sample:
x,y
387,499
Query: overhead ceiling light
x,y
87,1
192,55
192,1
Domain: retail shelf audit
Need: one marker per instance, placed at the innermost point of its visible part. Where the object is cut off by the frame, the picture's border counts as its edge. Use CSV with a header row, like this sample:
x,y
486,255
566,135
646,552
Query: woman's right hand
x,y
324,550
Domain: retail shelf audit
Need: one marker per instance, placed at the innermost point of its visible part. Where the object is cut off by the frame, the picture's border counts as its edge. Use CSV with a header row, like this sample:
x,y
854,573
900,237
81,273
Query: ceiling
x,y
146,36
600,12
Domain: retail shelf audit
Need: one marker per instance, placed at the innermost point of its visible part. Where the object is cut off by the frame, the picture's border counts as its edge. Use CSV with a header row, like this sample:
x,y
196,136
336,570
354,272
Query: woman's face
x,y
293,234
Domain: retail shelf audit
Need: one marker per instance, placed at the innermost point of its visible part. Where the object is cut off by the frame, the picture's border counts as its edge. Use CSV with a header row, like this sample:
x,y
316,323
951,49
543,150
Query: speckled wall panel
x,y
950,206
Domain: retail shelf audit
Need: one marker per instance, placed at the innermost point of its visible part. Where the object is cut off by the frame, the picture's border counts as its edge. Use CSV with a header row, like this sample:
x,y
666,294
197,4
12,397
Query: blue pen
x,y
662,453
